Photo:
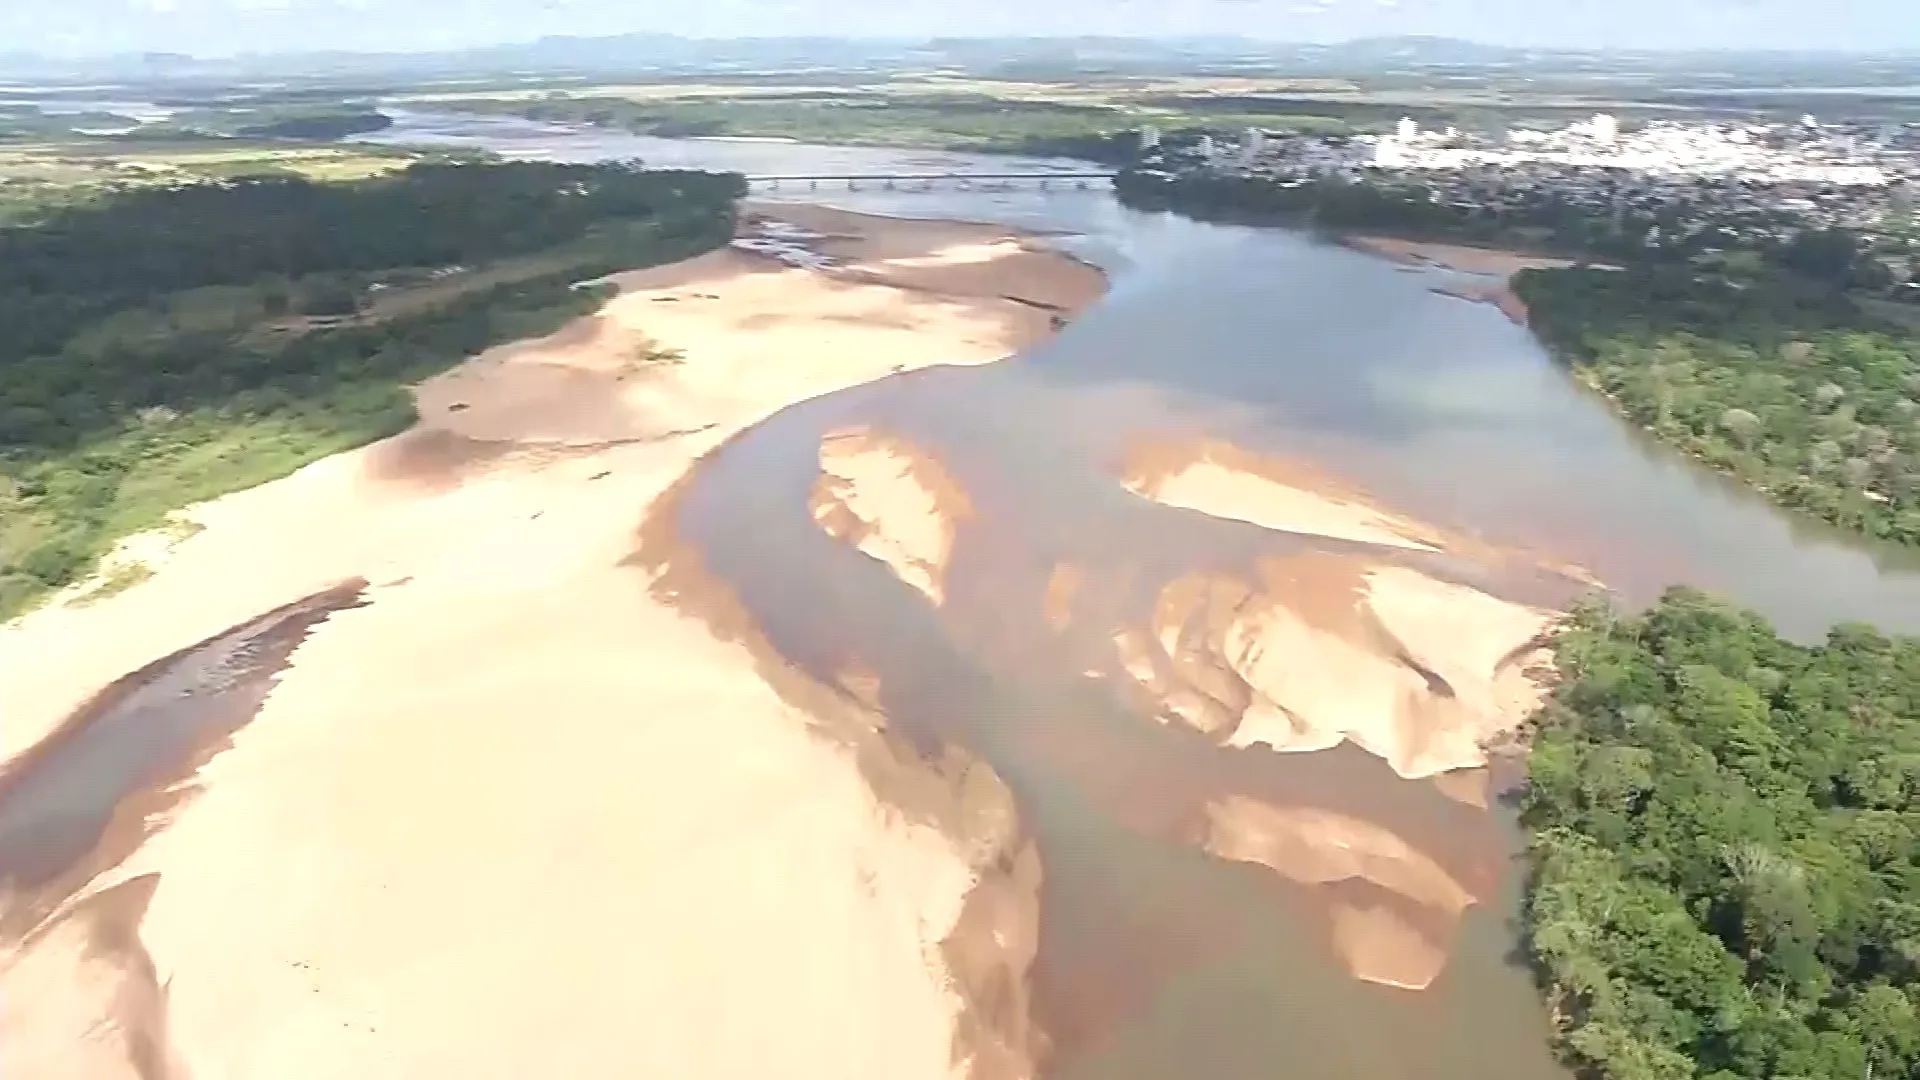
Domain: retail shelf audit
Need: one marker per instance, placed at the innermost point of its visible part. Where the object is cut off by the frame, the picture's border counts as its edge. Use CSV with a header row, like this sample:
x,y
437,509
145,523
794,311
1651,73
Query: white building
x,y
1407,130
1149,138
1606,128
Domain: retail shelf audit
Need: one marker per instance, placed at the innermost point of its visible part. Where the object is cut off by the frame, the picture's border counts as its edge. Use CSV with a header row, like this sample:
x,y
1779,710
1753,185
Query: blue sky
x,y
218,27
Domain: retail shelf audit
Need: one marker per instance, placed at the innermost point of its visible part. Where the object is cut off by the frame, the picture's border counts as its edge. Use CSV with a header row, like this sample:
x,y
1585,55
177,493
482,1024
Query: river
x,y
1156,959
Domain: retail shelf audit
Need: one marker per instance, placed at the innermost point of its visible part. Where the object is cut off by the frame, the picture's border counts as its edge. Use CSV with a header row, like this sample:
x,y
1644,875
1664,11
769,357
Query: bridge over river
x,y
915,181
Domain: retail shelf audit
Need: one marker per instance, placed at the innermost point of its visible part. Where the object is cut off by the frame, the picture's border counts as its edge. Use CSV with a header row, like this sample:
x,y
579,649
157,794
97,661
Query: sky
x,y
223,27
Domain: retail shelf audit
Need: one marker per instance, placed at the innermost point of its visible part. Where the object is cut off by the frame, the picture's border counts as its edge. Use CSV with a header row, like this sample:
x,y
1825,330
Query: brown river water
x,y
1156,959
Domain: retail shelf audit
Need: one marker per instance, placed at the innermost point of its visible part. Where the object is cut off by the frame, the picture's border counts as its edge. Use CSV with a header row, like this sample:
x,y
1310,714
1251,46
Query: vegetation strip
x,y
171,344
1725,847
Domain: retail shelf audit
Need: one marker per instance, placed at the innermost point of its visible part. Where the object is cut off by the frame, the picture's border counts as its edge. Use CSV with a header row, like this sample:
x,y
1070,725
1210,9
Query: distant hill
x,y
668,54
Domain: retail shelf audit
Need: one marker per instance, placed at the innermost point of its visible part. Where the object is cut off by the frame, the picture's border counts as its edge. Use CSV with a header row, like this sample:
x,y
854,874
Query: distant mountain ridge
x,y
669,53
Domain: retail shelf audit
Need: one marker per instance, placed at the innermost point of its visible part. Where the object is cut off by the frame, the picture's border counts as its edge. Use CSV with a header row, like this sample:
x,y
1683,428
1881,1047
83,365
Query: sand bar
x,y
1494,262
1223,480
412,863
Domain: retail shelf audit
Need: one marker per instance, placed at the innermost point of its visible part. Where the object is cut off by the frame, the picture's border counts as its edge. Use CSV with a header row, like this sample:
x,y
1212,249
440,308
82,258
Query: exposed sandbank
x,y
893,501
1300,653
1499,264
1224,480
1315,847
1494,262
1320,647
519,807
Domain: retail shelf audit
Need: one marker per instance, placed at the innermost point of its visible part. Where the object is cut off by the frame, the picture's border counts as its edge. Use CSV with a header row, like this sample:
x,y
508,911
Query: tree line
x,y
1725,848
1779,380
156,353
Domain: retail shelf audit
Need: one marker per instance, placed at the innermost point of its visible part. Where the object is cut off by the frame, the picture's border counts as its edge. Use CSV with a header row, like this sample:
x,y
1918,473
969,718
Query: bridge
x,y
929,181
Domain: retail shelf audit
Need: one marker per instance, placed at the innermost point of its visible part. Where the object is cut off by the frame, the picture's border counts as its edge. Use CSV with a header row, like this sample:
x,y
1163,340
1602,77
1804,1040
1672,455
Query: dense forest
x,y
173,343
1775,378
1725,840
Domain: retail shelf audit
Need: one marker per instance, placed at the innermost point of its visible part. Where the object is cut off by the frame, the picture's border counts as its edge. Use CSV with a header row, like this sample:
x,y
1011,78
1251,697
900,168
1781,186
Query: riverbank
x,y
1796,393
1489,262
1499,265
411,862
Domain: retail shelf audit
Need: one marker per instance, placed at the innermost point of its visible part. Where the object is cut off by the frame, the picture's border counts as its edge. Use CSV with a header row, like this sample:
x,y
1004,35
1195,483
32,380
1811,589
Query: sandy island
x,y
1317,648
1300,652
517,816
1497,264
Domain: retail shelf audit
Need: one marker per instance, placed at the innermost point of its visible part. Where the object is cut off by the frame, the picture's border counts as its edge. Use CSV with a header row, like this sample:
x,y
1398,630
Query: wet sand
x,y
1496,266
1490,262
519,806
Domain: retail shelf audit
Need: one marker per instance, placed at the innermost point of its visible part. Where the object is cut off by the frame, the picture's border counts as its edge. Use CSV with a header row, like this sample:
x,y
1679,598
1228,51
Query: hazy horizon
x,y
212,28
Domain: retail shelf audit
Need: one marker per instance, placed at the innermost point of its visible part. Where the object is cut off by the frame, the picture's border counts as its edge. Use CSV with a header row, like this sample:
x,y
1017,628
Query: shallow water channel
x,y
1156,959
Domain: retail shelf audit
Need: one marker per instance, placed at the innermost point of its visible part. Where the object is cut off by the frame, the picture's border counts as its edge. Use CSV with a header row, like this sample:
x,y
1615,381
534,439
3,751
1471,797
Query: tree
x,y
1725,881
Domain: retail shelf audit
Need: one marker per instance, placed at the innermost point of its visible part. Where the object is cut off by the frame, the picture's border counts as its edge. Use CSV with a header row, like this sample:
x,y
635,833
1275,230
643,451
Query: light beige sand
x,y
1224,481
1472,260
892,500
1494,262
1320,650
1318,847
518,816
